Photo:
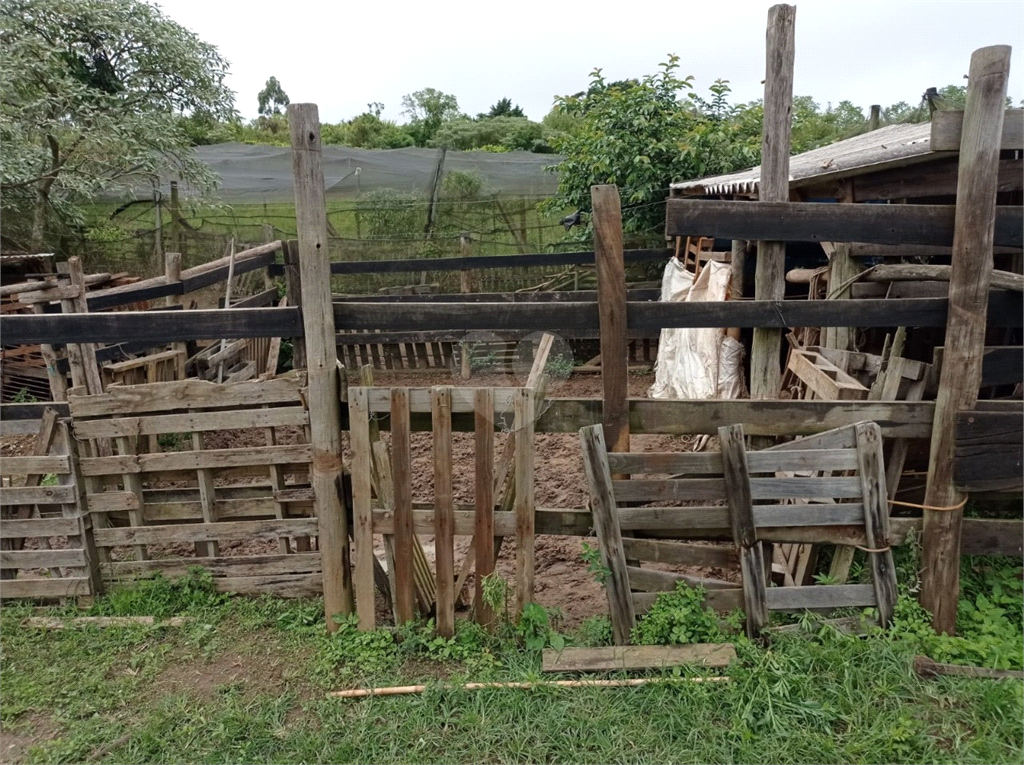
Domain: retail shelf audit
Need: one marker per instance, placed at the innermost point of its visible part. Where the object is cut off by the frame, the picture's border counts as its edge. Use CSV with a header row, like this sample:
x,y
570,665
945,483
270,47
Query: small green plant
x,y
495,593
359,652
595,564
534,629
824,578
162,597
481,361
596,631
559,366
24,397
679,617
173,442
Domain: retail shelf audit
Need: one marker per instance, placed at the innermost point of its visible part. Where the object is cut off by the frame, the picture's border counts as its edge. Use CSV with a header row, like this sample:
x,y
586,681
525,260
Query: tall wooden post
x,y
611,301
874,121
960,377
770,277
175,214
321,357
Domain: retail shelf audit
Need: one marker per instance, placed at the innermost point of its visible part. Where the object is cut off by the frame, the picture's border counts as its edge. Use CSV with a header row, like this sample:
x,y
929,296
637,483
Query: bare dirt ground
x,y
562,581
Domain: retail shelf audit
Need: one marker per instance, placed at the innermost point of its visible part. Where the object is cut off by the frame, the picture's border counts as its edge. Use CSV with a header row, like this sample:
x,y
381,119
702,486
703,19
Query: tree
x,y
493,133
93,93
503,108
272,99
641,135
427,110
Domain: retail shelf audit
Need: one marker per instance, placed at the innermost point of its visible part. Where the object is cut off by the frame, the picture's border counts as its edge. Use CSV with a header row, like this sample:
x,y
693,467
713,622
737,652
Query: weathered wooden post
x,y
770,276
611,300
960,377
321,357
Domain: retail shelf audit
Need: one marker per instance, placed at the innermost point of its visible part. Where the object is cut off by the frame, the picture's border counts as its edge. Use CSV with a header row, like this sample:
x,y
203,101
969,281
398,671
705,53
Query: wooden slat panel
x,y
31,465
202,532
209,459
816,222
114,502
200,421
722,601
36,495
68,586
41,558
281,586
420,400
637,657
696,463
778,516
185,394
242,565
423,522
833,487
658,551
820,596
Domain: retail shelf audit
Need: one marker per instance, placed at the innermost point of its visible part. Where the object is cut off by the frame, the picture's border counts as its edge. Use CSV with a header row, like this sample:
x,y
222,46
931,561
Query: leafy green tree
x,y
272,99
427,110
503,108
92,98
507,133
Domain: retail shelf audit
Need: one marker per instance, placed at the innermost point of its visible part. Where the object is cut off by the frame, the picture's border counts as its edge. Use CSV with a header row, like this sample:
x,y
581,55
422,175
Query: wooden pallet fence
x,y
398,515
256,495
745,500
46,548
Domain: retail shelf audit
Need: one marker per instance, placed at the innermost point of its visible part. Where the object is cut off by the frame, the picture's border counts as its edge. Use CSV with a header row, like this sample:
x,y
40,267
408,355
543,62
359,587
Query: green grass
x,y
246,681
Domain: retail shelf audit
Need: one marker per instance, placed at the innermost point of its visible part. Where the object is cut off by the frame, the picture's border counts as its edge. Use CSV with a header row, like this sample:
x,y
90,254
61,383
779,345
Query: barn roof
x,y
887,147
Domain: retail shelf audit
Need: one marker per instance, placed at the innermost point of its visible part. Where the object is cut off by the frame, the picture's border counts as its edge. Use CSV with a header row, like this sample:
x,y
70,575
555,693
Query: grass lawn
x,y
246,681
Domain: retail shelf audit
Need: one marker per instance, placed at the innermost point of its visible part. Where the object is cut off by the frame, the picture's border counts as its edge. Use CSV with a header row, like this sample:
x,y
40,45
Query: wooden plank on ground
x,y
602,506
637,657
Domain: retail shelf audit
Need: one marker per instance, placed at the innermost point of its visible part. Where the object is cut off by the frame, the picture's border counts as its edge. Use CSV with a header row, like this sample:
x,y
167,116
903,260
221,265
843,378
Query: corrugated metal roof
x,y
891,146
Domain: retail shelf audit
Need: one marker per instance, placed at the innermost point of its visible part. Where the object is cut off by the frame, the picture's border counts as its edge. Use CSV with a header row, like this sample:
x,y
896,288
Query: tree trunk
x,y
39,217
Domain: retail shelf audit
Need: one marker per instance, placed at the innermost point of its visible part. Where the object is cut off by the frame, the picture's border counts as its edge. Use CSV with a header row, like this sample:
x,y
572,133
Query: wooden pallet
x,y
731,482
243,493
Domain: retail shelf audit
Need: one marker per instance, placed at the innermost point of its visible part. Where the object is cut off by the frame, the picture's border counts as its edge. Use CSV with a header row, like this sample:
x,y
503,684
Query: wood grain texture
x,y
611,291
960,376
826,222
362,517
524,498
820,596
948,126
603,509
483,526
401,471
321,364
989,451
444,511
871,473
637,657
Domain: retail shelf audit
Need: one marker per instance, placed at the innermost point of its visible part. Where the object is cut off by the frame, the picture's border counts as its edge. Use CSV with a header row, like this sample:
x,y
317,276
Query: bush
x,y
389,213
679,617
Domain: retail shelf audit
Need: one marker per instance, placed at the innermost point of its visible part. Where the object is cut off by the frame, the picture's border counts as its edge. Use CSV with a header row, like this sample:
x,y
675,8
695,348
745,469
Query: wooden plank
x,y
602,506
281,586
837,487
651,580
1000,365
647,319
65,587
876,519
823,222
925,667
184,394
11,496
524,500
721,601
611,289
483,527
661,551
212,459
58,623
741,519
233,566
989,455
153,327
920,272
424,522
976,231
444,512
820,596
947,130
359,434
695,463
202,532
637,657
41,558
552,296
401,472
14,465
825,379
769,277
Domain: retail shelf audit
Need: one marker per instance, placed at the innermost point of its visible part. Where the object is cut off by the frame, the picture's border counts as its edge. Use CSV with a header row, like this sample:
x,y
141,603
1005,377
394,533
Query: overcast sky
x,y
343,55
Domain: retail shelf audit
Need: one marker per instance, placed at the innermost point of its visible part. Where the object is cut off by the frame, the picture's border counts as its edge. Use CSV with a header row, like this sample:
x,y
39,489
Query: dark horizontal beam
x,y
554,296
818,222
153,327
32,411
575,319
478,262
